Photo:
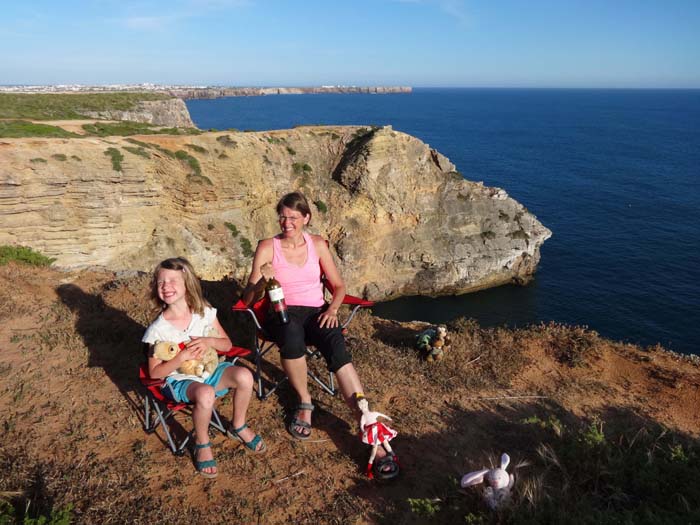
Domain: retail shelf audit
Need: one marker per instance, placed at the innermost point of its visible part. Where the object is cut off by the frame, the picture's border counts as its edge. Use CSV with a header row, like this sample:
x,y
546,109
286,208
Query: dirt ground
x,y
72,410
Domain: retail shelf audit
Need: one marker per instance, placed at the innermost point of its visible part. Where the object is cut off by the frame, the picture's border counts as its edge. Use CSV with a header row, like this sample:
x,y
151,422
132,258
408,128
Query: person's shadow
x,y
112,338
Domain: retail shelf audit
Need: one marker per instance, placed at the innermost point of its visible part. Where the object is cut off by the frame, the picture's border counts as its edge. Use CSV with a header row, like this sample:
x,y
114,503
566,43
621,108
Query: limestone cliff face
x,y
170,112
218,92
398,217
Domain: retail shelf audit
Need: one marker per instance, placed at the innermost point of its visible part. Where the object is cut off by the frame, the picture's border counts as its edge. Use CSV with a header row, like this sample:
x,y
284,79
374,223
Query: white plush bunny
x,y
498,483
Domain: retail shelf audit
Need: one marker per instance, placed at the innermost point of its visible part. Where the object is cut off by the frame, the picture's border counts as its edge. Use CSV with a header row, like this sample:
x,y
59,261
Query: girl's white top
x,y
163,330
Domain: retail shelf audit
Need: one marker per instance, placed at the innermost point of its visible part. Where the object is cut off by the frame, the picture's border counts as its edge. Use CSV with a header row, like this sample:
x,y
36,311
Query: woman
x,y
295,257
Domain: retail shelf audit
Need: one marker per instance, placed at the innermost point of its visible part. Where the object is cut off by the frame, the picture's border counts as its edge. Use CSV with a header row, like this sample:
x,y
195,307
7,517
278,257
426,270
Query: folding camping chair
x,y
264,343
164,409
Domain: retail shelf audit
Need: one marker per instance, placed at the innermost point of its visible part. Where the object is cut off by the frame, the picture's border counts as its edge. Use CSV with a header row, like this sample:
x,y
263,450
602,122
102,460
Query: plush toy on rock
x,y
432,342
497,483
202,367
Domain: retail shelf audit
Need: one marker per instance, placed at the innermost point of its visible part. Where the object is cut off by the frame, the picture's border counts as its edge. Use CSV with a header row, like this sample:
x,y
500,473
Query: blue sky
x,y
506,43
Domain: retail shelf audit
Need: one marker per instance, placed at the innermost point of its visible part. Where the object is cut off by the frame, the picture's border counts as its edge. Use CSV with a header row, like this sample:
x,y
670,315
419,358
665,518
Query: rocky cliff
x,y
218,92
170,112
398,216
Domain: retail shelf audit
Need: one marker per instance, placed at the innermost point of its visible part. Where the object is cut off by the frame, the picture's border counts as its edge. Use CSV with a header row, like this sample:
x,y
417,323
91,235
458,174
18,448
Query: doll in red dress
x,y
375,433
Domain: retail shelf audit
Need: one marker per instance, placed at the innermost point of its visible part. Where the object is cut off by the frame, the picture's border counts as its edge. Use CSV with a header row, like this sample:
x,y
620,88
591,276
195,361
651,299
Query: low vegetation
x,y
24,255
321,206
194,165
68,106
195,147
116,157
140,151
126,128
23,128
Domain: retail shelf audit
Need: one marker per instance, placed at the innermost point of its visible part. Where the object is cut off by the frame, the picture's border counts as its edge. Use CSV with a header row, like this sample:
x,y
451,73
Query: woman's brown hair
x,y
294,201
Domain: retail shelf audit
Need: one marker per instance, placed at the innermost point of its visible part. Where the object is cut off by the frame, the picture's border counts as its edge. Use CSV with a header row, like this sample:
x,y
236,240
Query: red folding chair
x,y
165,409
264,342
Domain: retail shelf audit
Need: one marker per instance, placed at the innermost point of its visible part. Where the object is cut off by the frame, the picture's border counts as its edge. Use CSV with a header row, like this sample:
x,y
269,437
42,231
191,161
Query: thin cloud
x,y
457,9
186,9
148,23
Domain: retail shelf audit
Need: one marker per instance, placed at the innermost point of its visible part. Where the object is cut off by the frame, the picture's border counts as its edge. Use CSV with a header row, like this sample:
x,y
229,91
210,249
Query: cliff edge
x,y
399,217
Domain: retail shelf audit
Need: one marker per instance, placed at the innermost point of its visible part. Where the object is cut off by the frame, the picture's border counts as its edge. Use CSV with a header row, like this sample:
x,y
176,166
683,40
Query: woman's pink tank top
x,y
301,284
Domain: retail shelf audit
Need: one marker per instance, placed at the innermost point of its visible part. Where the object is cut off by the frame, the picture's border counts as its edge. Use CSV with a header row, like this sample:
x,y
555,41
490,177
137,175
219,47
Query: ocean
x,y
615,174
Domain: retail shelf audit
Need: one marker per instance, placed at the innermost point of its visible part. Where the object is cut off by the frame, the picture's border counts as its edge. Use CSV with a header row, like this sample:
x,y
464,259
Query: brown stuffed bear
x,y
203,367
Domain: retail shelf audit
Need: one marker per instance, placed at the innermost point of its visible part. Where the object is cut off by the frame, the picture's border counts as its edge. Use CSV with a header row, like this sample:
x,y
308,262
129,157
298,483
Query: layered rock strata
x,y
170,112
399,217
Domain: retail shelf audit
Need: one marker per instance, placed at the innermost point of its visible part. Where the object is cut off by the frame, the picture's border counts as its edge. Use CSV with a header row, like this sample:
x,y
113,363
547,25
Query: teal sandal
x,y
296,422
251,445
201,465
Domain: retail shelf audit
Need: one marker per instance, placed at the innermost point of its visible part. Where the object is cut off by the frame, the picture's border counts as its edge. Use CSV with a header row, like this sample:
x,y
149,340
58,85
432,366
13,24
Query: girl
x,y
186,317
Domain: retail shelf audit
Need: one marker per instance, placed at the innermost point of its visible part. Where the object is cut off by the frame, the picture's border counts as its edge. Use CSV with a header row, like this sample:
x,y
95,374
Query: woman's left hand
x,y
328,319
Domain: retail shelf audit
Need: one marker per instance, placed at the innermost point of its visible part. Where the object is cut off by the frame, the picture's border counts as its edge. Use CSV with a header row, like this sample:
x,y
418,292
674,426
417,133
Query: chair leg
x,y
162,421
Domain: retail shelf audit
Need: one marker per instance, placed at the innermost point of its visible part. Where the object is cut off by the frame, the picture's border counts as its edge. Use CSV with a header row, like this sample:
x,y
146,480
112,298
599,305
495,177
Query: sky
x,y
419,43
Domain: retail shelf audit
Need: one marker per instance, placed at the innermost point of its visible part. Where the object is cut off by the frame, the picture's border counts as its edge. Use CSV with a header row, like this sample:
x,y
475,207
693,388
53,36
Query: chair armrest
x,y
240,306
356,303
235,351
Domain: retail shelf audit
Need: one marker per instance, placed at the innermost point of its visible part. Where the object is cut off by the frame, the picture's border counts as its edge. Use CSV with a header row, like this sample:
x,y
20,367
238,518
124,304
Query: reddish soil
x,y
72,410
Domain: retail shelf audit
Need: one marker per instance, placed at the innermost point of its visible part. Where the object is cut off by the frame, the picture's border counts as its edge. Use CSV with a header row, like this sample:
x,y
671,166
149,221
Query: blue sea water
x,y
615,174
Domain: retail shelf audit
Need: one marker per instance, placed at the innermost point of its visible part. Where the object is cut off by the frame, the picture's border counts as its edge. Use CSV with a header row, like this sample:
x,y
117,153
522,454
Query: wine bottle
x,y
274,292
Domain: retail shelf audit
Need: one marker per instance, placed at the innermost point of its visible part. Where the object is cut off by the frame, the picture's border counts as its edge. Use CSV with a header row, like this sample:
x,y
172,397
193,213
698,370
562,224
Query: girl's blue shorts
x,y
176,390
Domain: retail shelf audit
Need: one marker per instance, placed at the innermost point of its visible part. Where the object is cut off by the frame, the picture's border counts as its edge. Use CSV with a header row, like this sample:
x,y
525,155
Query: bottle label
x,y
279,306
276,294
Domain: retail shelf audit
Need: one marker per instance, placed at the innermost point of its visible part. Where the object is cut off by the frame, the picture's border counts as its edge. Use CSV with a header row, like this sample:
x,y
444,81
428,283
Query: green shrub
x,y
59,156
9,515
55,106
23,254
210,227
38,160
138,151
246,247
291,150
300,168
76,158
124,128
227,141
117,158
140,143
195,147
424,507
22,128
199,179
191,161
321,206
232,228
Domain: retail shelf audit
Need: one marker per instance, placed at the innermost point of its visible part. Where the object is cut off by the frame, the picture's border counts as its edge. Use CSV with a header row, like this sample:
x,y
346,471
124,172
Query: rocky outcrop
x,y
170,112
399,217
219,92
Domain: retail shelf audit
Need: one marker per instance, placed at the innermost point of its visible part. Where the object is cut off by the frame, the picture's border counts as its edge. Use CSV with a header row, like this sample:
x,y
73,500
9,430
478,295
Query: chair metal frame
x,y
264,342
164,409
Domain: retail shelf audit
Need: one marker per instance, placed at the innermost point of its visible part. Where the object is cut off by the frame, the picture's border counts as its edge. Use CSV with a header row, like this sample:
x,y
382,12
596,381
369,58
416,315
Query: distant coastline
x,y
201,92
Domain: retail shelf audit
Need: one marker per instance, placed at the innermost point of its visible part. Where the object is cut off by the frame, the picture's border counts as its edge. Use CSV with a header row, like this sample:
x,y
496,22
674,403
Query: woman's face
x,y
292,222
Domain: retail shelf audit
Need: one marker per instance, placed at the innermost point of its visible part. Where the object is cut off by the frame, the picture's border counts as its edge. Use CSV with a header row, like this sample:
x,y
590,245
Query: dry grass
x,y
72,432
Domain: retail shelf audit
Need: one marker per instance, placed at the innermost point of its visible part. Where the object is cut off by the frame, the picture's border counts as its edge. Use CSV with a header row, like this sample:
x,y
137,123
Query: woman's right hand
x,y
267,271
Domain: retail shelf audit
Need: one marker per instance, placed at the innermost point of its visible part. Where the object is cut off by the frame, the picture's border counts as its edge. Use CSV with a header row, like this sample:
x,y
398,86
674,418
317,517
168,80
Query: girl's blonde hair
x,y
193,290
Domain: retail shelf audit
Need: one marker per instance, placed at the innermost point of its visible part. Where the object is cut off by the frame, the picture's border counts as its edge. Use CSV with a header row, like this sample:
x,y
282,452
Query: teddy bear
x,y
498,483
433,342
202,367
